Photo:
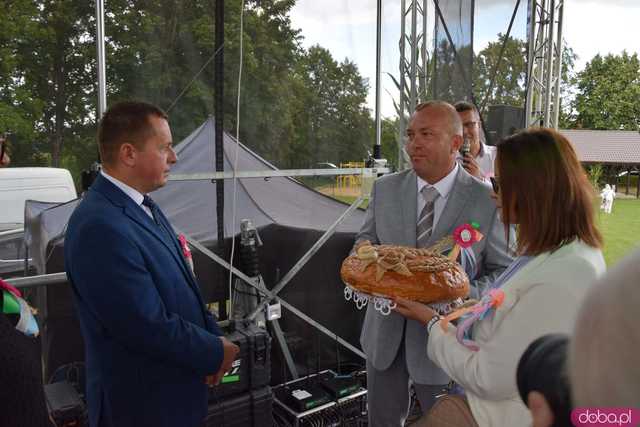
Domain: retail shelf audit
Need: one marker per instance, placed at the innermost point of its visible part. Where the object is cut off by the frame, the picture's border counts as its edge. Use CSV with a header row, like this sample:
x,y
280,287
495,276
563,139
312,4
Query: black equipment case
x,y
252,367
250,409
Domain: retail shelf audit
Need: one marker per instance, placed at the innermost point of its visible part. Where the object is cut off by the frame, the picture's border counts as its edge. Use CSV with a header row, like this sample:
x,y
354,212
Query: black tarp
x,y
191,205
290,218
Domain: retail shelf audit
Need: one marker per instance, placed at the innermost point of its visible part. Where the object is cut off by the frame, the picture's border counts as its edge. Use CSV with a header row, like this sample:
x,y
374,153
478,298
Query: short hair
x,y
455,124
126,121
543,368
540,176
603,352
461,106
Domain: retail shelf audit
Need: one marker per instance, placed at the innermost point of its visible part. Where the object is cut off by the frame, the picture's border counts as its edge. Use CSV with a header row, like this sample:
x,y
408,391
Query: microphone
x,y
466,147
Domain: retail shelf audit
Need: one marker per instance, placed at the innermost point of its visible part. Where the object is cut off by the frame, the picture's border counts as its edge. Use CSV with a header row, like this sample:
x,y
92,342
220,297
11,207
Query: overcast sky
x,y
348,29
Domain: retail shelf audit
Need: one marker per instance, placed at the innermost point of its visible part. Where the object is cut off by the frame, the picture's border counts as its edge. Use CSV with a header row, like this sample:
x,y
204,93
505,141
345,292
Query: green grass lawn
x,y
621,229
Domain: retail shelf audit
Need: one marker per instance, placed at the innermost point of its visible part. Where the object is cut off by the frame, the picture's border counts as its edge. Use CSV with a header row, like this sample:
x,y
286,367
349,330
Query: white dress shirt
x,y
135,195
443,187
485,159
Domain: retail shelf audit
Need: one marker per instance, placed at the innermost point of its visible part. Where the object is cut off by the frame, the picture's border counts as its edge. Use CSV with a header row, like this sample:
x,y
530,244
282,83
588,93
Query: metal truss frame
x,y
413,66
256,282
545,22
544,59
272,173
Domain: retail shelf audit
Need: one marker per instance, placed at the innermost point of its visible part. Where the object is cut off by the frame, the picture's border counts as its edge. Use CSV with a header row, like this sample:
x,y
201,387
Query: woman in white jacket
x,y
541,187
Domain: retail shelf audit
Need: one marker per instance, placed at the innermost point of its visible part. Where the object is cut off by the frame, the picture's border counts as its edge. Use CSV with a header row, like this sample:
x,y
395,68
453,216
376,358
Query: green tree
x,y
56,57
269,91
46,80
20,107
333,123
297,107
450,79
389,147
163,52
608,93
509,85
567,87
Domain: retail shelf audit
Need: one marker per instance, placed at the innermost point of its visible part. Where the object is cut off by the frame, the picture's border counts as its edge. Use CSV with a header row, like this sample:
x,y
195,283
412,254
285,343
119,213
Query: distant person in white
x,y
4,156
479,161
607,195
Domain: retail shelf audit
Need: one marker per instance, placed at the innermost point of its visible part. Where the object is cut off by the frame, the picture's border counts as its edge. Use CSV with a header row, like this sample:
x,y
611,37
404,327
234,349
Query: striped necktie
x,y
425,221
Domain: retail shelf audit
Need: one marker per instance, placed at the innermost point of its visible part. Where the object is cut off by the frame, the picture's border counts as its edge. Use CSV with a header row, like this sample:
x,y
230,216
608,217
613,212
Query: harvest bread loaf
x,y
397,271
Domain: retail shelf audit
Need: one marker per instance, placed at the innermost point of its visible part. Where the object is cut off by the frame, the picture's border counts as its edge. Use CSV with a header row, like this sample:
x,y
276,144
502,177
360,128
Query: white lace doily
x,y
384,305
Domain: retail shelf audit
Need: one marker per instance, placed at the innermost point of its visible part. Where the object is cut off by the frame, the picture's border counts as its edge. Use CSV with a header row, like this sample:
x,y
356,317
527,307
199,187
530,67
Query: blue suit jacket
x,y
149,340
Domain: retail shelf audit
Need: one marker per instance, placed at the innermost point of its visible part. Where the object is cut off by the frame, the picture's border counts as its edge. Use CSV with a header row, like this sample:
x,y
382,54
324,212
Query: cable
x,y
235,161
193,79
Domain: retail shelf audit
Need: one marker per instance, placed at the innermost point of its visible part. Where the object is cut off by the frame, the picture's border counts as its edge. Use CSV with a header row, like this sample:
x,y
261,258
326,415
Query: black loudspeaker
x,y
503,121
252,368
65,405
62,341
250,409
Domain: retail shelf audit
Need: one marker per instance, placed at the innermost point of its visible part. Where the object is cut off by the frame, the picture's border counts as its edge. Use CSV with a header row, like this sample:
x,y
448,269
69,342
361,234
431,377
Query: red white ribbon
x,y
184,245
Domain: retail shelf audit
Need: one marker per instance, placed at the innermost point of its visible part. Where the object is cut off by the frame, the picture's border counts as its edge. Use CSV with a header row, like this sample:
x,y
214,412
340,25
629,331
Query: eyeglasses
x,y
495,183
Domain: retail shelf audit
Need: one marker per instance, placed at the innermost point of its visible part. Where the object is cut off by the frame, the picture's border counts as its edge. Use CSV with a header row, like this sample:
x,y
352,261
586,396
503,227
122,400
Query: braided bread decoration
x,y
398,271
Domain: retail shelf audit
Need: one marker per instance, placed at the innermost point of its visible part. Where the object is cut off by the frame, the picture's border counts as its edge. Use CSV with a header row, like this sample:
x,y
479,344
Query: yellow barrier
x,y
350,181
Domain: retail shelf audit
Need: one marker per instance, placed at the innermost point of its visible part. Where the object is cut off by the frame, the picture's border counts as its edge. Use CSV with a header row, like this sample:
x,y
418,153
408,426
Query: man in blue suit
x,y
149,340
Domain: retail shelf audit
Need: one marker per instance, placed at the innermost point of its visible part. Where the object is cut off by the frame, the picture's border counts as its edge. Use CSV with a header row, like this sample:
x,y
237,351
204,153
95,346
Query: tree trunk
x,y
628,181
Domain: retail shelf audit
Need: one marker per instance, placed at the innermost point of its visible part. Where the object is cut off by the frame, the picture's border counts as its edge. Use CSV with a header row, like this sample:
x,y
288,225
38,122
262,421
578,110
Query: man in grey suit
x,y
395,347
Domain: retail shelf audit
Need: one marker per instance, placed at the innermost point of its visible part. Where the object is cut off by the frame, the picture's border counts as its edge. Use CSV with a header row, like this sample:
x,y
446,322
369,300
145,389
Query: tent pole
x,y
377,147
219,143
102,79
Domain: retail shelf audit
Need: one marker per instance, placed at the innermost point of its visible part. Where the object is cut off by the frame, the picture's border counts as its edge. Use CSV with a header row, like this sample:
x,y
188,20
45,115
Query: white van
x,y
18,185
43,184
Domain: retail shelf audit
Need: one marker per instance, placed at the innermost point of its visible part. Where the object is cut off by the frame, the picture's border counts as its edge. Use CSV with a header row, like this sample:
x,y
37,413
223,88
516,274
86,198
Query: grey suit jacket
x,y
391,219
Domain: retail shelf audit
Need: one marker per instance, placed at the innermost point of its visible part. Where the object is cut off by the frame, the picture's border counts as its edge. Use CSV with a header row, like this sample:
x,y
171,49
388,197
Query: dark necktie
x,y
148,202
155,211
166,233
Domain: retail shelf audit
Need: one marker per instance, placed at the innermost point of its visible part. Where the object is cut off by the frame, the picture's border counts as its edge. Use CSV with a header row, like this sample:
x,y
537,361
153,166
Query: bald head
x,y
452,118
434,136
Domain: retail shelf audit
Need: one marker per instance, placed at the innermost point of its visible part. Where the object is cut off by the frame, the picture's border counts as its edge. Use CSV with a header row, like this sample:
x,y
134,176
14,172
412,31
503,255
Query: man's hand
x,y
230,352
414,310
471,166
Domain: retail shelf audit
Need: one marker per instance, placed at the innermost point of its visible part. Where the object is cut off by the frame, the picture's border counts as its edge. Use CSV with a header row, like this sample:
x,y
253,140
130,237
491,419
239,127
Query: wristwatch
x,y
432,322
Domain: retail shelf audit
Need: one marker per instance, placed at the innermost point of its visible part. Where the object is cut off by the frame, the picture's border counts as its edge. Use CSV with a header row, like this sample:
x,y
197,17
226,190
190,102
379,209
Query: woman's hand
x,y
414,310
